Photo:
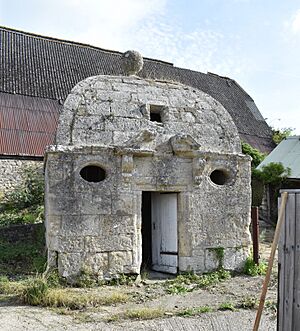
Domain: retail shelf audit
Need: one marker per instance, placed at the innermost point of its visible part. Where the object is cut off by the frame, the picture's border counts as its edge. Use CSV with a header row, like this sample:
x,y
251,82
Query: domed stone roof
x,y
131,111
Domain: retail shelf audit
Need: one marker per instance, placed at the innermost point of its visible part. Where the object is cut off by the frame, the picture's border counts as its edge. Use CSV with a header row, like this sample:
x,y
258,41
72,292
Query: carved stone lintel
x,y
141,140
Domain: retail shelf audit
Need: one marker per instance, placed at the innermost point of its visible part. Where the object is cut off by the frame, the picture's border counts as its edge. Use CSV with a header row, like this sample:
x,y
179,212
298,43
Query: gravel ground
x,y
29,319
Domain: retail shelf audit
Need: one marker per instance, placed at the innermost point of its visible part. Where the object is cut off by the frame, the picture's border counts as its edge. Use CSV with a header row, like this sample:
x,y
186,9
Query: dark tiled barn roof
x,y
48,68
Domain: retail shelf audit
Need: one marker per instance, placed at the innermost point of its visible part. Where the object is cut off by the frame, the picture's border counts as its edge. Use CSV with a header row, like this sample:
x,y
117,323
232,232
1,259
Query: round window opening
x,y
93,173
219,177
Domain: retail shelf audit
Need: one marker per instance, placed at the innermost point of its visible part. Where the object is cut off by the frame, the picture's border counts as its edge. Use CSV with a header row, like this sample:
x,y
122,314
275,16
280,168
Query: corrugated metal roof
x,y
49,68
288,153
27,124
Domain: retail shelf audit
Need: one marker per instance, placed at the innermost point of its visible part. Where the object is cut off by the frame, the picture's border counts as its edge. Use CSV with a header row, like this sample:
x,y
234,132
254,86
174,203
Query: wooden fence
x,y
289,266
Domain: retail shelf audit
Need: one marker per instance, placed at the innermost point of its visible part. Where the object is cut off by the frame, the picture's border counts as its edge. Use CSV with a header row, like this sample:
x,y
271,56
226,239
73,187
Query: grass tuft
x,y
35,291
189,312
8,287
227,306
73,299
248,302
138,314
41,291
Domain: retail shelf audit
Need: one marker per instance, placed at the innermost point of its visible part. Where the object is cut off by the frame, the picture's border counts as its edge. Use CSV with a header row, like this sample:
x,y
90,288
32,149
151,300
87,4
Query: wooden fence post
x,y
255,234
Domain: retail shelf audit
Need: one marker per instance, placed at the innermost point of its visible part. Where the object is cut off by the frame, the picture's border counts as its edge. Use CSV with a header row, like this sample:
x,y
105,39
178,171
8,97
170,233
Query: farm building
x,y
38,72
287,153
145,174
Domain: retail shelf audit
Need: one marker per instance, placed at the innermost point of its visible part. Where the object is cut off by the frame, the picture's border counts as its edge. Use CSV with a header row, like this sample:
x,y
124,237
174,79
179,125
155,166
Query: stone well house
x,y
145,173
37,73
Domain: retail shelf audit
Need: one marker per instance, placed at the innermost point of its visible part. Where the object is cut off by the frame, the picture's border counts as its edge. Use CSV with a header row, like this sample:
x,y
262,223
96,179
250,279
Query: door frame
x,y
178,194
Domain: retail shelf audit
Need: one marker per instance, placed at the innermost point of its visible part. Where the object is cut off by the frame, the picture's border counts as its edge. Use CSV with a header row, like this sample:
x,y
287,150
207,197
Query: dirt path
x,y
31,319
233,291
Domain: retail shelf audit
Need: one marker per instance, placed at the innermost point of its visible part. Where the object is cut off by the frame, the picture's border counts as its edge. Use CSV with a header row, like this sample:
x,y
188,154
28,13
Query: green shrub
x,y
256,155
272,173
86,279
252,269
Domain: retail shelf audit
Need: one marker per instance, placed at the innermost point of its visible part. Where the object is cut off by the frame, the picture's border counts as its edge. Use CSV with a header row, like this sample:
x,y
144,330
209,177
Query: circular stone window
x,y
219,177
93,173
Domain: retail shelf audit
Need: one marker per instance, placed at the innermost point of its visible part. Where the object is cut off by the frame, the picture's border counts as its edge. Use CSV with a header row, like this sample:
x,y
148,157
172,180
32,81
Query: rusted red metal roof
x,y
27,124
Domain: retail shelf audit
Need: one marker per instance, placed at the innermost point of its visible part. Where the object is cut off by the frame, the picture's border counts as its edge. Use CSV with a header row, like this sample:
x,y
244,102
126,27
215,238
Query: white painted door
x,y
164,232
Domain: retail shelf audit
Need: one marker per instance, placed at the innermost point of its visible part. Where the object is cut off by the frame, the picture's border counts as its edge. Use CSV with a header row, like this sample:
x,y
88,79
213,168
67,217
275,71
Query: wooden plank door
x,y
164,232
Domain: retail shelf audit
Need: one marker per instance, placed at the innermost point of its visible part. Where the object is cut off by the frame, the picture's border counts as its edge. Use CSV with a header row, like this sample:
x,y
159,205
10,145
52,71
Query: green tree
x,y
273,175
256,155
281,134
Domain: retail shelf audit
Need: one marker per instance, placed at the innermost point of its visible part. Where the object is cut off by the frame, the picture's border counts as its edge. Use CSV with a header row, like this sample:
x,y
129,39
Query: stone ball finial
x,y
132,62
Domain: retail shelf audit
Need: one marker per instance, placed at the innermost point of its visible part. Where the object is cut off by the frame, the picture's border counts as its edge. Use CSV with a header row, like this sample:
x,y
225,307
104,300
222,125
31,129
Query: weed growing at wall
x,y
219,253
252,269
188,282
25,204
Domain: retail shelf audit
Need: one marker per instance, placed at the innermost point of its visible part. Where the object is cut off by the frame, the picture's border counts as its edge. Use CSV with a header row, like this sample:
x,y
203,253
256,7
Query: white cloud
x,y
293,24
108,24
198,49
144,25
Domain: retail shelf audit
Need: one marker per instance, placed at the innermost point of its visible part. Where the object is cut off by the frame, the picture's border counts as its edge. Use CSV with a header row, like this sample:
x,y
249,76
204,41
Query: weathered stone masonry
x,y
11,172
145,136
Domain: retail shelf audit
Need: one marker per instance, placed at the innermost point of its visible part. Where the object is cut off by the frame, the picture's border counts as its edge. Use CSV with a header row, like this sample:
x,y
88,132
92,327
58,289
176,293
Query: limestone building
x,y
145,173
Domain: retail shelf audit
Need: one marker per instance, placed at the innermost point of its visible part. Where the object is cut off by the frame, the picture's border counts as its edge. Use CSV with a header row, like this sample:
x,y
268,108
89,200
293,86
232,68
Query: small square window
x,y
155,113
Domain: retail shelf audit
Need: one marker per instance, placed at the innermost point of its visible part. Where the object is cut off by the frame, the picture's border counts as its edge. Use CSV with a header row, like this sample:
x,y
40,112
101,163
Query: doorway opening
x,y
159,232
146,232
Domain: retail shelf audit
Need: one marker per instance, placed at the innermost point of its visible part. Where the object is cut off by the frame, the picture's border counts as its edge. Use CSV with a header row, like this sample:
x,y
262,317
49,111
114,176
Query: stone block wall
x,y
96,227
11,171
23,232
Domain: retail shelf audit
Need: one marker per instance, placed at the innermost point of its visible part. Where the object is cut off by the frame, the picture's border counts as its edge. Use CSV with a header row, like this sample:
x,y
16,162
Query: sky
x,y
255,42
